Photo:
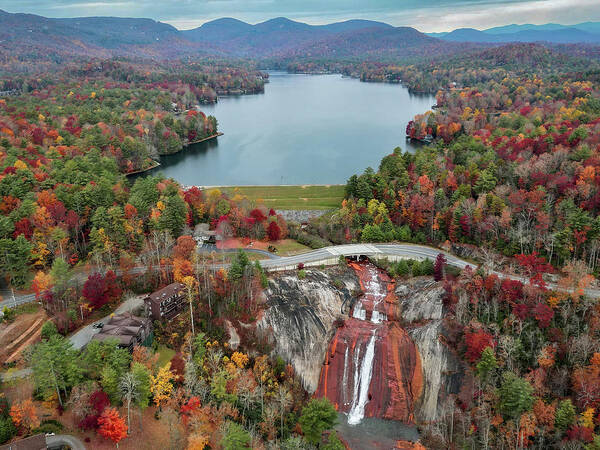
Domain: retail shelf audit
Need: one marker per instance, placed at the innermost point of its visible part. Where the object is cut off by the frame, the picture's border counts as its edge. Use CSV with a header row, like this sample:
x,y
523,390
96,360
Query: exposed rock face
x,y
373,368
422,311
420,299
301,315
388,360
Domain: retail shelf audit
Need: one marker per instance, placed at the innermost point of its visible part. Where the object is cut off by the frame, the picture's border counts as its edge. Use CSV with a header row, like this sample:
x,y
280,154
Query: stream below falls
x,y
372,371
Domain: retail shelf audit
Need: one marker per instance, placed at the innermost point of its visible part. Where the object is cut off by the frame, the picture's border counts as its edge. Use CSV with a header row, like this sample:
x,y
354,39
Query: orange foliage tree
x,y
24,415
112,426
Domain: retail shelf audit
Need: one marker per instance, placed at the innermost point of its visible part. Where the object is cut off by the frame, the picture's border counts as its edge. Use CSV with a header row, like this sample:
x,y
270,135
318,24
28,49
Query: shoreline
x,y
208,138
158,164
257,185
136,172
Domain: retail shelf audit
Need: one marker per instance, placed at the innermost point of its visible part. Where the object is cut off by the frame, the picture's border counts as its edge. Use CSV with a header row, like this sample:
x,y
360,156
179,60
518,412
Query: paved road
x,y
64,440
328,254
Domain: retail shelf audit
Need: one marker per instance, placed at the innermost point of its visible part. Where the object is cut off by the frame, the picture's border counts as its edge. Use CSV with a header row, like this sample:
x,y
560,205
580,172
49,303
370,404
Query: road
x,y
329,255
60,441
14,299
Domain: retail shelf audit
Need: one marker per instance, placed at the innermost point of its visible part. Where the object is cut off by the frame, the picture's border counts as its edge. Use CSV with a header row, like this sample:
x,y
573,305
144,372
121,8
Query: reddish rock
x,y
395,377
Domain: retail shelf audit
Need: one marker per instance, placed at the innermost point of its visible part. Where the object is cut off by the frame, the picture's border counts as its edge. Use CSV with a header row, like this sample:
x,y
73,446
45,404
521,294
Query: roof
x,y
121,339
37,442
166,292
202,229
123,327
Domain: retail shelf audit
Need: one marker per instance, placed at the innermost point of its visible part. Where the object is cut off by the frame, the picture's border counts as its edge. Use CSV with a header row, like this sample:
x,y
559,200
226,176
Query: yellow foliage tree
x,y
161,385
197,442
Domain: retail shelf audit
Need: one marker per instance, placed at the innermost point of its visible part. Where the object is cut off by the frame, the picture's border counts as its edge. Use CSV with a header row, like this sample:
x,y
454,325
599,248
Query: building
x,y
127,329
37,442
202,234
167,302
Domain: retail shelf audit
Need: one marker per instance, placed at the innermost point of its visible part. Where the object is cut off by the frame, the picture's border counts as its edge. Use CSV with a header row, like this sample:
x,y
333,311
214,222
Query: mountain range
x,y
588,32
31,37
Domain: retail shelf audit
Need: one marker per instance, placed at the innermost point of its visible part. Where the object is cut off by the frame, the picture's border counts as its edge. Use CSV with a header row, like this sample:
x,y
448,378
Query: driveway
x,y
61,440
80,338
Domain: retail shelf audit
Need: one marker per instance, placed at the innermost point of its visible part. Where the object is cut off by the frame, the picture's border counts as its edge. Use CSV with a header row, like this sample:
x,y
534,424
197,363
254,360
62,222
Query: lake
x,y
304,129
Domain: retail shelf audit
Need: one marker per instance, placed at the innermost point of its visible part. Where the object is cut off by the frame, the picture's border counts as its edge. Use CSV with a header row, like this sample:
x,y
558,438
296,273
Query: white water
x,y
364,356
378,317
345,376
359,312
362,381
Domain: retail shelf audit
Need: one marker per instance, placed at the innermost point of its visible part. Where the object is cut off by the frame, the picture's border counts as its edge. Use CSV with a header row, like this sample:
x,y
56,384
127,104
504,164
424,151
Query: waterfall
x,y
362,381
378,317
345,376
371,359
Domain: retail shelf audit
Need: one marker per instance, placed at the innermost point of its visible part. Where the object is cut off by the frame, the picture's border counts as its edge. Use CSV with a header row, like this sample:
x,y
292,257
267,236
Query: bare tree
x,y
129,391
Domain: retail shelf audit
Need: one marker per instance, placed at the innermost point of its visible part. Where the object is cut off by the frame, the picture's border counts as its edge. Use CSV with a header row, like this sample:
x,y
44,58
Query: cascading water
x,y
375,359
362,383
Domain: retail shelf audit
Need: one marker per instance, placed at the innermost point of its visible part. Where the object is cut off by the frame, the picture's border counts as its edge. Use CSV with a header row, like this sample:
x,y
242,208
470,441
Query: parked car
x,y
98,325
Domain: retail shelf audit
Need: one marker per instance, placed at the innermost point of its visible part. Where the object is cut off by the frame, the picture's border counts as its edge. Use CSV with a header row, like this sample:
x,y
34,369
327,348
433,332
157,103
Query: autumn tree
x,y
438,267
24,415
161,385
112,426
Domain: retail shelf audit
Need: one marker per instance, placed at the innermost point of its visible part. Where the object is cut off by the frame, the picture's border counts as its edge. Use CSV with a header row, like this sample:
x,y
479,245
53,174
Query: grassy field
x,y
165,355
320,197
289,247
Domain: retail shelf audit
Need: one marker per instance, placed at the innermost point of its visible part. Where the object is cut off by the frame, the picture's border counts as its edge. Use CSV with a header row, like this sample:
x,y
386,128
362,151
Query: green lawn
x,y
289,247
166,354
321,197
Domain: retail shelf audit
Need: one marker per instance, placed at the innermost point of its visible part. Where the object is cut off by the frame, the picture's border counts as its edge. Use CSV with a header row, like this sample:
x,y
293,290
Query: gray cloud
x,y
426,15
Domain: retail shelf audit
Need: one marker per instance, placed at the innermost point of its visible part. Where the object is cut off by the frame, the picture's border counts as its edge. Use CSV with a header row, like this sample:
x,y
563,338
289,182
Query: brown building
x,y
167,302
129,330
37,442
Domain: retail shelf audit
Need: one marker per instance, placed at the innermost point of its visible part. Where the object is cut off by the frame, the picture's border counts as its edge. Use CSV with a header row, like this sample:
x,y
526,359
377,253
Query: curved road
x,y
59,441
329,255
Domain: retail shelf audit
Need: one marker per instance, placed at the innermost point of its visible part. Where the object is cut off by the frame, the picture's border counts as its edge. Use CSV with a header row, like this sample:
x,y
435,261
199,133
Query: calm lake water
x,y
304,129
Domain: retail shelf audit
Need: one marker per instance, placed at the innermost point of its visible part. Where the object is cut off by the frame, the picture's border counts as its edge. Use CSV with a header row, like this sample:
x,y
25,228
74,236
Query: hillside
x,y
588,32
31,38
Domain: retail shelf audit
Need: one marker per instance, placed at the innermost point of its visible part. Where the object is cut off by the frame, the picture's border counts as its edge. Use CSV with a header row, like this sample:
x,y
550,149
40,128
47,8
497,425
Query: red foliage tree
x,y
189,408
98,290
113,289
23,227
273,231
438,267
543,314
578,433
258,215
94,290
99,400
476,342
178,367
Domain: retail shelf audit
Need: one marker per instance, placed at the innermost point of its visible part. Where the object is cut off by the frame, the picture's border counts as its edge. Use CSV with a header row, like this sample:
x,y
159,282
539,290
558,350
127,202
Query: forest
x,y
507,177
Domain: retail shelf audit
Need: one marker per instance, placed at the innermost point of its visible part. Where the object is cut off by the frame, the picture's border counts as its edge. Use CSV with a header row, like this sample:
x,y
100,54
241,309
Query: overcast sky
x,y
425,15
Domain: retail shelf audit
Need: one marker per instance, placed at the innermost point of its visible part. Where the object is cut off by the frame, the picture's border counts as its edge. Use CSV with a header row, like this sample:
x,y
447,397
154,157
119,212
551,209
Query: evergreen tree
x,y
235,437
317,416
173,217
565,415
516,395
487,364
